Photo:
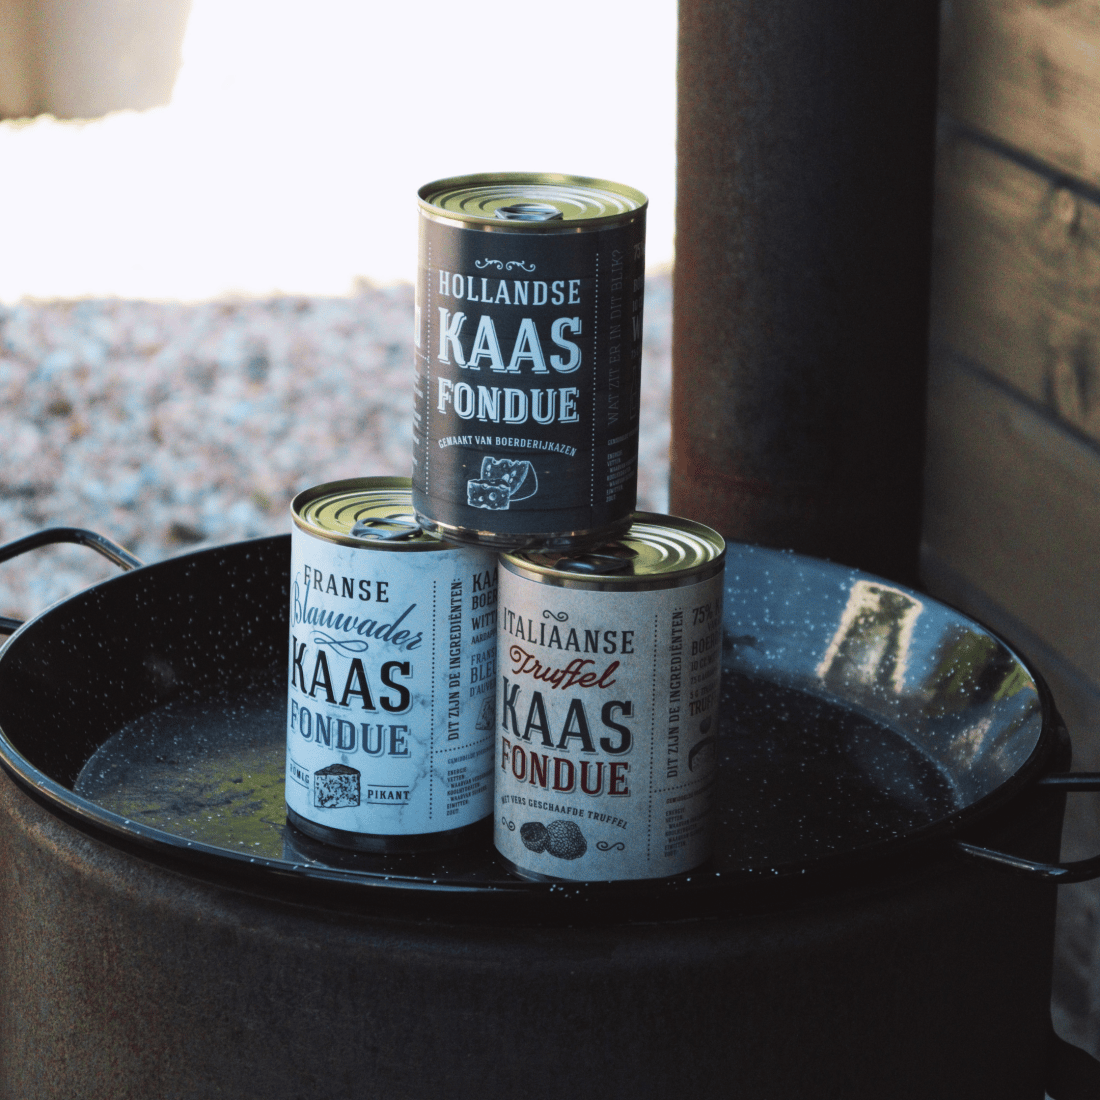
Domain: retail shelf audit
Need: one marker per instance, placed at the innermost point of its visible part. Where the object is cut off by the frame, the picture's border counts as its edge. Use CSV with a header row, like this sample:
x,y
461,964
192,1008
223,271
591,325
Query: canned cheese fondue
x,y
607,704
528,358
392,673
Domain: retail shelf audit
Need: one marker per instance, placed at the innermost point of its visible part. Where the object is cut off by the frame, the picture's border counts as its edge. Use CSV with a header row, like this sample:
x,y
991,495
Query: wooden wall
x,y
1012,512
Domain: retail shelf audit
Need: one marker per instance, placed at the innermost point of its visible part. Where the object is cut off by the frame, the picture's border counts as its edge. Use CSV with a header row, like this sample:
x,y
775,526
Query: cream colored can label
x,y
391,687
607,723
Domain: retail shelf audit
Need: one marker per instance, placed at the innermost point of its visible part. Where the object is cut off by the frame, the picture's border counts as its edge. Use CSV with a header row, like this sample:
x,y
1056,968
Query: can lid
x,y
367,511
530,201
655,552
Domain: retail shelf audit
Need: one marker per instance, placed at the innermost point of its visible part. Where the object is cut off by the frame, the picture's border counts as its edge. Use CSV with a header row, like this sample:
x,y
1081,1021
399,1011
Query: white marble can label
x,y
391,687
607,723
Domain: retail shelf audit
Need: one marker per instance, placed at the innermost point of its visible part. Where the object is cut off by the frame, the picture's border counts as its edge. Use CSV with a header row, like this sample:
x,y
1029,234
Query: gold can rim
x,y
581,202
657,551
374,513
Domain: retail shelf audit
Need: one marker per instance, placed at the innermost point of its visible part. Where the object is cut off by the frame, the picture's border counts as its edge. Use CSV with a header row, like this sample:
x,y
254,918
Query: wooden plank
x,y
1028,73
1013,508
1016,282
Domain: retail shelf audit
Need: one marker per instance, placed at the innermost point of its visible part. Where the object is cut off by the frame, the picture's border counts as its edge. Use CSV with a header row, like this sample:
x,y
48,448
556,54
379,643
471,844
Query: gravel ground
x,y
166,426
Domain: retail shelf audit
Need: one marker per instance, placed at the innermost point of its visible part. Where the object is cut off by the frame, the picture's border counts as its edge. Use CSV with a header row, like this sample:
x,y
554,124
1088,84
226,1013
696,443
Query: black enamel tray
x,y
858,720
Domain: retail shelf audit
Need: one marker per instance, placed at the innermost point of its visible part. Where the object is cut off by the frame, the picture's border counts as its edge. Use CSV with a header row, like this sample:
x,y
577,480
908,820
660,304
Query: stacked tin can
x,y
528,359
607,698
608,621
392,671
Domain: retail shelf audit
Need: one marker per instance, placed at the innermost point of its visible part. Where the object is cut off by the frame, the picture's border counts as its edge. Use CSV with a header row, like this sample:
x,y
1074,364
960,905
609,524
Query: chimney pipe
x,y
803,250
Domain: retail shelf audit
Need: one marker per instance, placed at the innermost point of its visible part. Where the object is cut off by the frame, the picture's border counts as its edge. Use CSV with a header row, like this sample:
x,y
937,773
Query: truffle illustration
x,y
561,838
533,835
565,840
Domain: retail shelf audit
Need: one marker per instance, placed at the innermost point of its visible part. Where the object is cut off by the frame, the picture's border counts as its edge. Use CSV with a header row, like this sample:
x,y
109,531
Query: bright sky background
x,y
298,134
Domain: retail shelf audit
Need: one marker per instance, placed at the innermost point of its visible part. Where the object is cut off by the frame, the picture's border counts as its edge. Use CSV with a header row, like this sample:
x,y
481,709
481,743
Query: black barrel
x,y
127,978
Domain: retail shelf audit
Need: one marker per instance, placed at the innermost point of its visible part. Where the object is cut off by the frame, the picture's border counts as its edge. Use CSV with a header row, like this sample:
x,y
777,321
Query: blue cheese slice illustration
x,y
335,787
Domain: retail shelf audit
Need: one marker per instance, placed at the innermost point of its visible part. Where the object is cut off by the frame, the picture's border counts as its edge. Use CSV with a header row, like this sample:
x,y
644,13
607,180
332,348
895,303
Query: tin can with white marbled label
x,y
392,673
528,359
607,695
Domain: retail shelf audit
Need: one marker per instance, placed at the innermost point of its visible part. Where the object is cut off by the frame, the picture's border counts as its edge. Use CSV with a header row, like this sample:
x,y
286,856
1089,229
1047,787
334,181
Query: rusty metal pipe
x,y
805,152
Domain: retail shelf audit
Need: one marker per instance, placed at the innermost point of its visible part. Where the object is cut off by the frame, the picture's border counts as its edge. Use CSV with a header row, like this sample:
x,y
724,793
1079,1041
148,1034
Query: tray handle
x,y
1081,870
110,550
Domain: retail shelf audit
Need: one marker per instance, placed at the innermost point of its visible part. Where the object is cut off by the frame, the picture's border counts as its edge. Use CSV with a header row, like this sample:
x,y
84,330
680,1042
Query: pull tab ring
x,y
386,528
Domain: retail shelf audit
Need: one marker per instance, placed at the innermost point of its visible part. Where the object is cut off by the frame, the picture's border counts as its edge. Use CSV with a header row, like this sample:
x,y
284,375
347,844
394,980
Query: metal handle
x,y
1081,870
110,550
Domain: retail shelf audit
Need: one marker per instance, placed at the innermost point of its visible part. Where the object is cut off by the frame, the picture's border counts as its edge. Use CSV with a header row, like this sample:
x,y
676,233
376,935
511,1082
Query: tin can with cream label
x,y
392,673
528,359
607,697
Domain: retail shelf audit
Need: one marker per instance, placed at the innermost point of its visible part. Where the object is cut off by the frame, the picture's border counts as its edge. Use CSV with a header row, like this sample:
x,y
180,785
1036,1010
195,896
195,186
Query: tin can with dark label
x,y
607,696
392,673
528,359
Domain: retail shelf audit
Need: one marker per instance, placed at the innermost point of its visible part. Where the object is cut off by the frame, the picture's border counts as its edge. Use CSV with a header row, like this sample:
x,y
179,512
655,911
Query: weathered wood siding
x,y
1018,279
1028,73
1013,492
1012,507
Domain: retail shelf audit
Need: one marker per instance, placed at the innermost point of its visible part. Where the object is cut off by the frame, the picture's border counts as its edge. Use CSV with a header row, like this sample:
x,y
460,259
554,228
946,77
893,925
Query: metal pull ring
x,y
529,212
597,564
386,528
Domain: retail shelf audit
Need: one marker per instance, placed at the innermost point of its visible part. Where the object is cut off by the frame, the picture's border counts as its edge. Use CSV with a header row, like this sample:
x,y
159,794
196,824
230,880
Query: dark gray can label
x,y
528,357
